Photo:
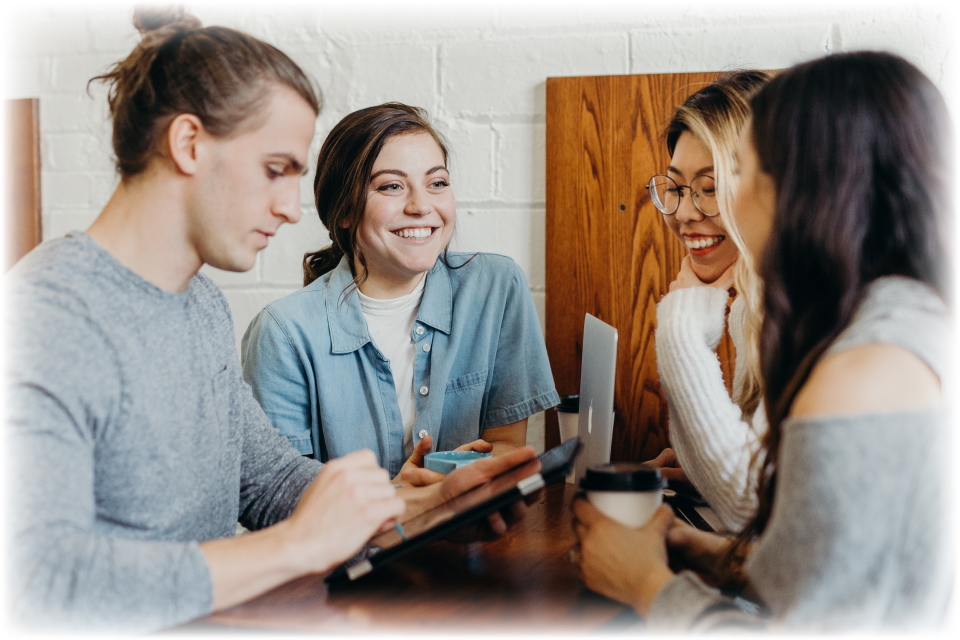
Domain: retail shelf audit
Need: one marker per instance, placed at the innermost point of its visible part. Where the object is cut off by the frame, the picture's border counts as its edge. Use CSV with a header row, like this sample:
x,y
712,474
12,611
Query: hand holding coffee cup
x,y
628,492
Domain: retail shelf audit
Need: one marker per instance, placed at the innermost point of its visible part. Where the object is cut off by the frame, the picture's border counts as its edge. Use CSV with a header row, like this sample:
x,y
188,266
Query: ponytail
x,y
317,263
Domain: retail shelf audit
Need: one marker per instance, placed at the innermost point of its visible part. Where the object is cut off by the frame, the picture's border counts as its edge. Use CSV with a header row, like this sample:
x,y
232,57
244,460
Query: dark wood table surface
x,y
522,582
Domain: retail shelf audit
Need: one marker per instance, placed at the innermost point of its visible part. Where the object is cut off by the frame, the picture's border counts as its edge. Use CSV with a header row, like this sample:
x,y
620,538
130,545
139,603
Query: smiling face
x,y
249,184
711,252
409,215
755,201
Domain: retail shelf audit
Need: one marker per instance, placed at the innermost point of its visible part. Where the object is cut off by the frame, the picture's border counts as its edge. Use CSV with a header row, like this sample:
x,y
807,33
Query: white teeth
x,y
702,243
416,232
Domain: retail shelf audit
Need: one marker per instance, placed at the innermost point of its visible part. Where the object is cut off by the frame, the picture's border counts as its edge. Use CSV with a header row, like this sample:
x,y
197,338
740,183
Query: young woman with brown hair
x,y
395,343
844,205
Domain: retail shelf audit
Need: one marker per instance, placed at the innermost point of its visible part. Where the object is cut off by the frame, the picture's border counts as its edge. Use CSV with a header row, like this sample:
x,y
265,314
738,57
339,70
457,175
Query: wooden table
x,y
523,581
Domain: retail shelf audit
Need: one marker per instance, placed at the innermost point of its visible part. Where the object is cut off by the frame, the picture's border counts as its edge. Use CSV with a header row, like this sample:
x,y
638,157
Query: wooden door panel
x,y
22,179
607,250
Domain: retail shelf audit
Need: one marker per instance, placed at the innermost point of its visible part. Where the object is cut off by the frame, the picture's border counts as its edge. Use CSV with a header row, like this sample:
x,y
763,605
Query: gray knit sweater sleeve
x,y
67,571
132,438
713,442
858,537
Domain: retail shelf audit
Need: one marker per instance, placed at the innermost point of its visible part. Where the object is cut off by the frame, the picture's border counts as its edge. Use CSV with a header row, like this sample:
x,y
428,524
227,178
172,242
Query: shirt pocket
x,y
462,404
467,382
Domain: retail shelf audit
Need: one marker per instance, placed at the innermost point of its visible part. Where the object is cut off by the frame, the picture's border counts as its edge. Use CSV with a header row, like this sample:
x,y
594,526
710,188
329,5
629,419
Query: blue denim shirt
x,y
480,362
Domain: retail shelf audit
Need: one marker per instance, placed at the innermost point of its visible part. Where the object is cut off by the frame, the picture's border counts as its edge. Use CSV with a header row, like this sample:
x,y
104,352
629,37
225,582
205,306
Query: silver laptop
x,y
598,373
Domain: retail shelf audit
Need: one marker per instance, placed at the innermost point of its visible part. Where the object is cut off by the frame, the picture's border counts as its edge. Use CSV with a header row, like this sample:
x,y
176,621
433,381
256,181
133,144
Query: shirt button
x,y
423,434
419,330
426,347
424,391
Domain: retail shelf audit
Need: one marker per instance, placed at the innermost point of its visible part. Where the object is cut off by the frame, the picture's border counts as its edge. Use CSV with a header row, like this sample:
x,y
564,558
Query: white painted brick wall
x,y
480,72
503,77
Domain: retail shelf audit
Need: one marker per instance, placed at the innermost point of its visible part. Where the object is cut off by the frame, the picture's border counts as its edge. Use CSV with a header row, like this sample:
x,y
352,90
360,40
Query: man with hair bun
x,y
136,444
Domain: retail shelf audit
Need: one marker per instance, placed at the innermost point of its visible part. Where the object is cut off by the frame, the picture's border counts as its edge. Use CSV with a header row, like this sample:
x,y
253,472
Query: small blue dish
x,y
447,461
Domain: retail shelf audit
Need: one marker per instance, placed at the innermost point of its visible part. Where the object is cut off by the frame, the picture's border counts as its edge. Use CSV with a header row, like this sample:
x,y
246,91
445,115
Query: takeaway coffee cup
x,y
568,413
628,492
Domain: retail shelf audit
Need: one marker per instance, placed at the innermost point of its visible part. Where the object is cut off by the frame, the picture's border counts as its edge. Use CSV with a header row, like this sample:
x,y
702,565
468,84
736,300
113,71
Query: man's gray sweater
x,y
132,437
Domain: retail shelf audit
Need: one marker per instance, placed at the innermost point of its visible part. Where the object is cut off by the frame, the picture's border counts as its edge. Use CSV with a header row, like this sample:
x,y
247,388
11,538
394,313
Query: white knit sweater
x,y
712,440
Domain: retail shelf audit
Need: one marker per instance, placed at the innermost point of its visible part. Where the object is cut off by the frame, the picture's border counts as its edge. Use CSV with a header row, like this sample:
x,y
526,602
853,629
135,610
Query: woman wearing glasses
x,y
713,436
844,203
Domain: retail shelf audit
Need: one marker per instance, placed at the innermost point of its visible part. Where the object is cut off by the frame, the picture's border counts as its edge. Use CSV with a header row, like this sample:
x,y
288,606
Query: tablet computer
x,y
467,508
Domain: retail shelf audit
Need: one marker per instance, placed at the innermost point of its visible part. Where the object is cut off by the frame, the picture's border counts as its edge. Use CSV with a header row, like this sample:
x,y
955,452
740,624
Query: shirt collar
x,y
436,309
348,329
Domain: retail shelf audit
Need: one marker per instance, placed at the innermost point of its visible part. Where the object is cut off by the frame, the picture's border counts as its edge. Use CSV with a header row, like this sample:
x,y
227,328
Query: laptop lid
x,y
598,374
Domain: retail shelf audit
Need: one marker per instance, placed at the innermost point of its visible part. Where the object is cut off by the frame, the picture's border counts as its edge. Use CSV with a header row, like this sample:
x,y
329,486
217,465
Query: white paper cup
x,y
568,425
568,414
632,508
630,493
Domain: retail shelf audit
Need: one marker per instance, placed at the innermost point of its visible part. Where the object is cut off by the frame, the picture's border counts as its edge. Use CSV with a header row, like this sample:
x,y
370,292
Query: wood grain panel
x,y
22,179
608,252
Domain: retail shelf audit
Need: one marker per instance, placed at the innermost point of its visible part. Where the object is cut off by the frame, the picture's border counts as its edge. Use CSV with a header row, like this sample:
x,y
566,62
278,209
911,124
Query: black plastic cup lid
x,y
569,404
622,476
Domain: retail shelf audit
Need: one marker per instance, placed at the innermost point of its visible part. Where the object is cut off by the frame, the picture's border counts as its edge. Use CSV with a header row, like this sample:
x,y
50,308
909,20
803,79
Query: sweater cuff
x,y
696,309
194,593
686,604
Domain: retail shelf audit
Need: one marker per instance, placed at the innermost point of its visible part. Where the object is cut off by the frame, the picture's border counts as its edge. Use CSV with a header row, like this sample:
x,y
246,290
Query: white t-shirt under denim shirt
x,y
480,362
390,323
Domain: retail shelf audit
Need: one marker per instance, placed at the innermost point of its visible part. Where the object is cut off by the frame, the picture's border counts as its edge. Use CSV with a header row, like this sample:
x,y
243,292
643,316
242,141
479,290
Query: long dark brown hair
x,y
343,173
220,75
856,145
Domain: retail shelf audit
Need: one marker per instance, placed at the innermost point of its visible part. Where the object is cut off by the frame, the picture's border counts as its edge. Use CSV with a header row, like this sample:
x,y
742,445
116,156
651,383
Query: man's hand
x,y
349,501
414,474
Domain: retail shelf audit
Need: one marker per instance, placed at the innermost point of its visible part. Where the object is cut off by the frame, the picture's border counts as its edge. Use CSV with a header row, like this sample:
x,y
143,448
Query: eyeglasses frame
x,y
680,188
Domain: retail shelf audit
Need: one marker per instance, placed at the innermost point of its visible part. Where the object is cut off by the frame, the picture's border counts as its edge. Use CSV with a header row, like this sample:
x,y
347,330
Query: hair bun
x,y
147,18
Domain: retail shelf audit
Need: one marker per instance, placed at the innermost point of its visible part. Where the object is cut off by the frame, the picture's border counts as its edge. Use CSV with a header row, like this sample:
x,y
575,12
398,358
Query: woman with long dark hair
x,y
843,203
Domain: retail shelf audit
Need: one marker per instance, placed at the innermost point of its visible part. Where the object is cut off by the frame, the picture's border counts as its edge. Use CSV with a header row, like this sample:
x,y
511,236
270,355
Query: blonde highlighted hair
x,y
716,116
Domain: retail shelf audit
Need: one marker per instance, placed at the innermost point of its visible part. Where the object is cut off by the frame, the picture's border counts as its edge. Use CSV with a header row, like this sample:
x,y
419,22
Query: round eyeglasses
x,y
666,194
